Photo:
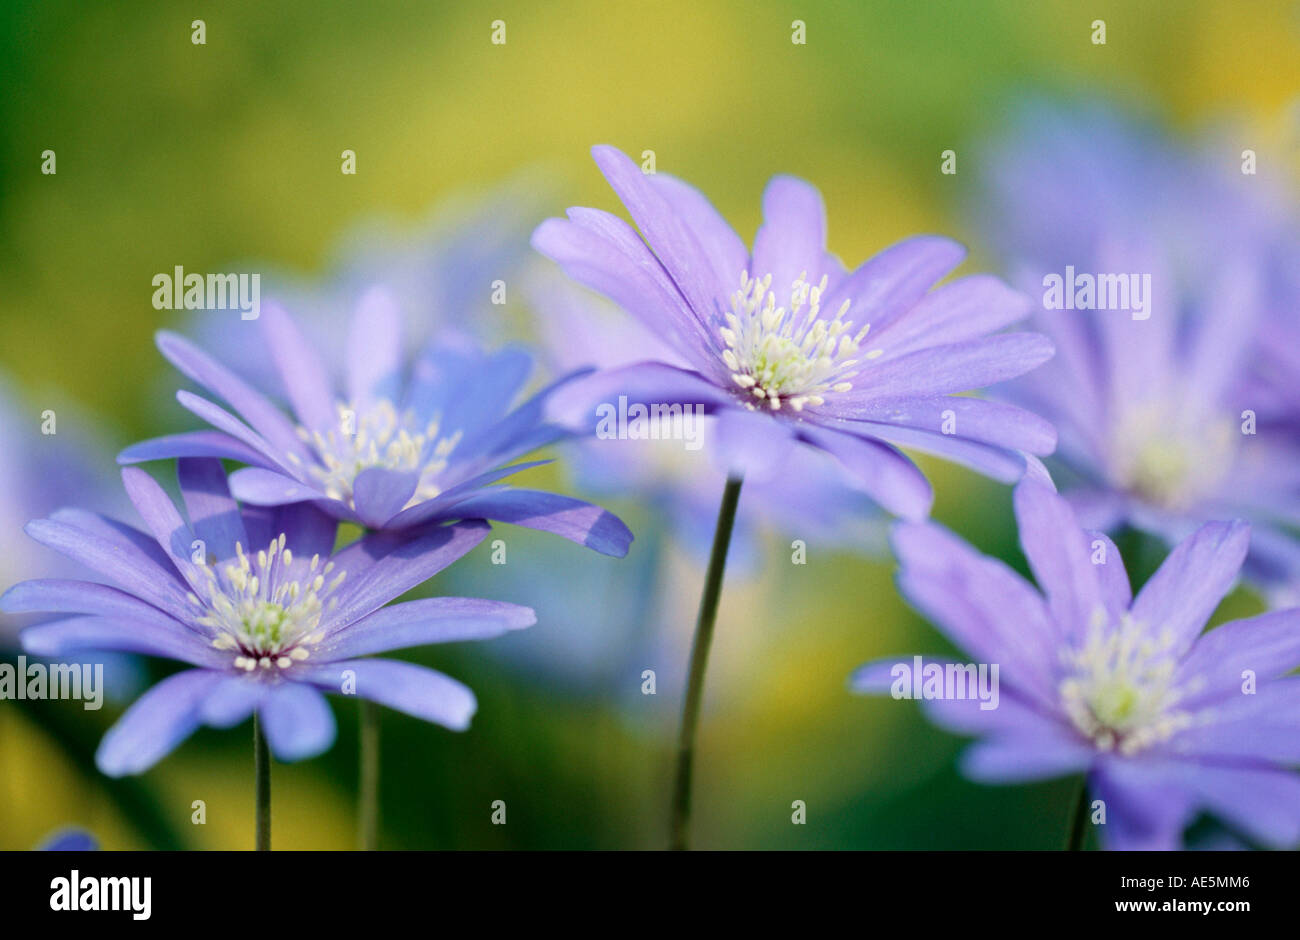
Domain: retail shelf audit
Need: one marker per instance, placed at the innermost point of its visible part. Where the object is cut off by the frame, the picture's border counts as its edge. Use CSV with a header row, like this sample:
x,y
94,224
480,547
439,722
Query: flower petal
x,y
151,728
726,253
964,310
882,471
981,604
263,487
586,402
232,700
792,238
389,566
266,419
301,369
1057,550
227,423
408,688
1185,590
117,558
601,251
152,636
59,596
297,721
750,444
425,621
379,494
161,517
975,419
669,236
1267,645
944,370
191,444
574,519
1023,757
214,514
374,357
307,530
889,284
1146,808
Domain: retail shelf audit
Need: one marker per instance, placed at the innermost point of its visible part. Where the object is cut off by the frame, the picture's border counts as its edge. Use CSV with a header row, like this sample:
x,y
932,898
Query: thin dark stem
x,y
681,811
1080,817
262,773
368,808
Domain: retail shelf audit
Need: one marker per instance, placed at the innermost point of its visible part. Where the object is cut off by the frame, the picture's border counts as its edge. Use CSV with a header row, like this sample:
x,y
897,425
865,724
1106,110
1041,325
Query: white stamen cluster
x,y
1119,687
1168,464
377,437
789,355
260,609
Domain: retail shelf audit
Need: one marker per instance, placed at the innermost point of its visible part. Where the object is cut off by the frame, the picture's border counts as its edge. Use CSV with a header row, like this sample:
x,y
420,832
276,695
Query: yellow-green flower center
x,y
1168,464
266,609
379,436
789,354
1118,688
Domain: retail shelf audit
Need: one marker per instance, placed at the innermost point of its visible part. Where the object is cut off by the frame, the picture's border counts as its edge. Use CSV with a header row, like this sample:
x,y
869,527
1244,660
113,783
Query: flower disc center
x,y
789,354
379,436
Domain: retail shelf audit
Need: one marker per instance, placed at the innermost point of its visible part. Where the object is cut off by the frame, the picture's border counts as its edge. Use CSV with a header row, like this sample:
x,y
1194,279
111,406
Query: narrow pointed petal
x,y
160,720
263,487
374,363
301,369
882,471
214,514
1191,582
191,444
576,520
265,418
405,687
426,621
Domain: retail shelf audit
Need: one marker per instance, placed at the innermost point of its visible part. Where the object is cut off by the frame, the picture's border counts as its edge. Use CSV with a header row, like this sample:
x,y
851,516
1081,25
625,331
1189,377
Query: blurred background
x,y
226,157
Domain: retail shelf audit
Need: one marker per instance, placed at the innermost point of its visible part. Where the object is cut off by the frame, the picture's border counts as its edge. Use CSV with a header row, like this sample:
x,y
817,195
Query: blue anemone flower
x,y
392,452
1165,720
786,348
1182,407
262,608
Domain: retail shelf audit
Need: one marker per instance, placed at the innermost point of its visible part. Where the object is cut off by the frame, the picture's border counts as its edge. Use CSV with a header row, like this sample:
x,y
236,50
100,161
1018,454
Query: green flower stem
x,y
262,774
368,798
1078,832
681,810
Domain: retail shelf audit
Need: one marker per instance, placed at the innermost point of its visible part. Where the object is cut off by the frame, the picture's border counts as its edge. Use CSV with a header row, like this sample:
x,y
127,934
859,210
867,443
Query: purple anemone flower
x,y
809,496
263,609
785,347
440,272
1174,375
1165,720
392,452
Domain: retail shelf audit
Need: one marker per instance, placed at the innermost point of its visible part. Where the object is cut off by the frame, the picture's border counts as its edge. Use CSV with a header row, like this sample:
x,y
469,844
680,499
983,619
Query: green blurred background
x,y
171,153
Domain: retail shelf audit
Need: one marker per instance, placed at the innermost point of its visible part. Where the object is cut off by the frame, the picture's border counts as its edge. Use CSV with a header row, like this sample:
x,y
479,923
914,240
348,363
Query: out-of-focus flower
x,y
786,348
1172,408
40,472
600,622
392,452
452,274
71,839
263,608
1164,720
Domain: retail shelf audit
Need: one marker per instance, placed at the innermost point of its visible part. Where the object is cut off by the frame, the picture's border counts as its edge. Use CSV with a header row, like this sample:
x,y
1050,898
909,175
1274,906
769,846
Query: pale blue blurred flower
x,y
1154,408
